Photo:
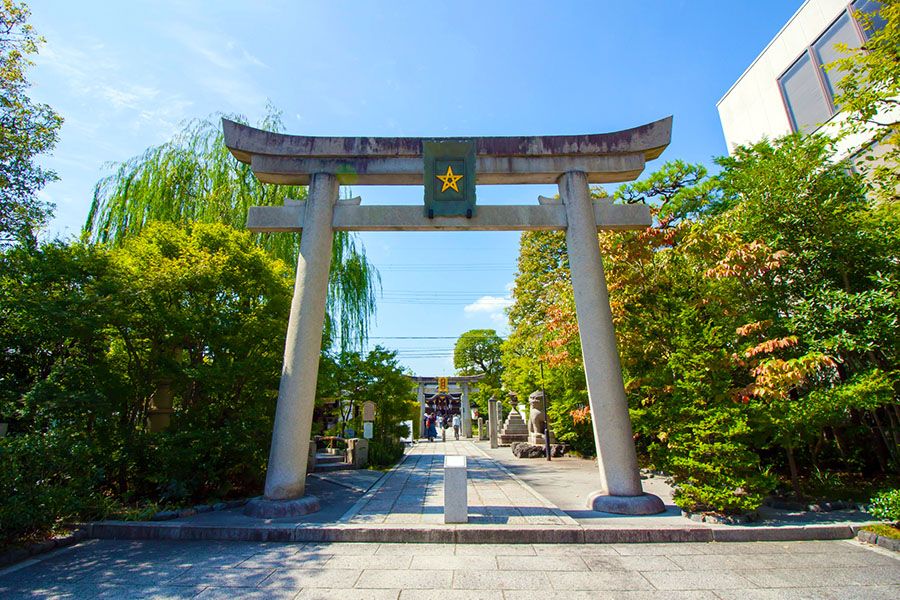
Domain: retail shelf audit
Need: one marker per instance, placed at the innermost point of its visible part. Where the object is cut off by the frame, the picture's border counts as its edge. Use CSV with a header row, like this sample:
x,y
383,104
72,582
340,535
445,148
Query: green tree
x,y
478,352
675,324
193,178
89,335
348,379
542,277
870,97
27,129
828,321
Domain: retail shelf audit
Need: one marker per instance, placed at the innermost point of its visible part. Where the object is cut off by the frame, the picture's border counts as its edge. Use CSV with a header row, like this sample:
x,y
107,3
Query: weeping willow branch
x,y
193,178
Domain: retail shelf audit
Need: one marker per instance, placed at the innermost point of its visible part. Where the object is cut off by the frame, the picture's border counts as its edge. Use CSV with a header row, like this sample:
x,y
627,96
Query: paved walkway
x,y
568,481
689,571
510,500
414,492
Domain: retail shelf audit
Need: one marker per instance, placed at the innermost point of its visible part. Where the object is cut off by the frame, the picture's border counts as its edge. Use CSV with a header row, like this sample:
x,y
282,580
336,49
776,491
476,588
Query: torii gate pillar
x,y
289,453
465,409
420,396
619,476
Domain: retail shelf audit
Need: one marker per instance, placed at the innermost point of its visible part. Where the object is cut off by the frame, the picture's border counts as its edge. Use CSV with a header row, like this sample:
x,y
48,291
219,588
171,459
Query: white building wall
x,y
753,107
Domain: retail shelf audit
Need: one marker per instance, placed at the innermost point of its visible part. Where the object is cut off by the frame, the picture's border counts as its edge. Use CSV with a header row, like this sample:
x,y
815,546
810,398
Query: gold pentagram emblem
x,y
449,180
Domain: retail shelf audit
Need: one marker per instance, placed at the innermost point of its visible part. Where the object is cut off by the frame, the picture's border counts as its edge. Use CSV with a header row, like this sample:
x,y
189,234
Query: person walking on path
x,y
443,427
456,426
430,431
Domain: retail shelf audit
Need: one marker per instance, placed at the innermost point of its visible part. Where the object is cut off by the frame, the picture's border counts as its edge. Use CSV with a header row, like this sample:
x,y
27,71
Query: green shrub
x,y
384,454
713,467
886,506
48,479
577,433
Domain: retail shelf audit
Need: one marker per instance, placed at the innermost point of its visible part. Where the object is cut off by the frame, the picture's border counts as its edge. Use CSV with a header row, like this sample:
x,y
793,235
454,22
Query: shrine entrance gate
x,y
571,162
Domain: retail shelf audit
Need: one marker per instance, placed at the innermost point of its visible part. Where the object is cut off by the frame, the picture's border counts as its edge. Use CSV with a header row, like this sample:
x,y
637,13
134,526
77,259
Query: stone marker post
x,y
368,415
620,481
286,474
493,422
421,396
466,410
456,499
160,413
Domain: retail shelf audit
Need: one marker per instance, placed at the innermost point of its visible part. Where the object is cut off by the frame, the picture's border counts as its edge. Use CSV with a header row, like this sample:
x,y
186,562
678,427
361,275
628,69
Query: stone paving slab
x,y
510,572
508,504
413,492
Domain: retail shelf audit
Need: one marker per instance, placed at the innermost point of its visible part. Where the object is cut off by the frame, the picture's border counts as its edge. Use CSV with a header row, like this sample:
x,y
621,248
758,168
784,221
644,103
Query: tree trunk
x,y
891,448
795,475
839,443
877,447
816,448
895,424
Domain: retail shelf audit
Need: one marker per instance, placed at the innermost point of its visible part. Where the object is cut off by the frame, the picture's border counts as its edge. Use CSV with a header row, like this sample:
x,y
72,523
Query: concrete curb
x,y
19,553
881,541
460,534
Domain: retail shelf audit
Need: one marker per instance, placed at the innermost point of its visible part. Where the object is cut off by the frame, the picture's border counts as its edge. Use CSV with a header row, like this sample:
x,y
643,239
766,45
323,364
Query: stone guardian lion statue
x,y
537,419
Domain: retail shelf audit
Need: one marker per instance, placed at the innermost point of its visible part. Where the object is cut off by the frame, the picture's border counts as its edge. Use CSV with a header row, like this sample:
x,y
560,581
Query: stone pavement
x,y
697,571
510,500
568,481
414,492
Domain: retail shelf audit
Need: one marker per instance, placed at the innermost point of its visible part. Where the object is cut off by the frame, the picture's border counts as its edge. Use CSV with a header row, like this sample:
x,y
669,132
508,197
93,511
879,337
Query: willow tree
x,y
194,178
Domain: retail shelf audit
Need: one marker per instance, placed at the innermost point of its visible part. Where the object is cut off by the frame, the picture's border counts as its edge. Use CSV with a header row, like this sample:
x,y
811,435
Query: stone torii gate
x,y
465,409
572,162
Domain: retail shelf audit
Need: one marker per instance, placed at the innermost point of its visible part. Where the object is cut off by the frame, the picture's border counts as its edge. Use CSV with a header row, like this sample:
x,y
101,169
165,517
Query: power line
x,y
443,292
423,337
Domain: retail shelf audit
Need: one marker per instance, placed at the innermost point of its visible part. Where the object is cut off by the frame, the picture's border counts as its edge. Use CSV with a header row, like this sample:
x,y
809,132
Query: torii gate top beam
x,y
451,379
292,159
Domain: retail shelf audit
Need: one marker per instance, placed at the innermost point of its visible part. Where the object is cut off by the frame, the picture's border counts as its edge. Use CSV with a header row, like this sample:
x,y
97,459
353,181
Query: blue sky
x,y
124,75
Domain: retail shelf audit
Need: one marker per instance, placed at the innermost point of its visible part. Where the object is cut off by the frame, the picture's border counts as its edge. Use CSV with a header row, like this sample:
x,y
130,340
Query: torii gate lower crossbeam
x,y
322,213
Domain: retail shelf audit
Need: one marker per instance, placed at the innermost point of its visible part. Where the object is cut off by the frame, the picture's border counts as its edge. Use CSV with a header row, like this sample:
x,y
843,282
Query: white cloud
x,y
226,65
488,304
217,48
95,75
492,306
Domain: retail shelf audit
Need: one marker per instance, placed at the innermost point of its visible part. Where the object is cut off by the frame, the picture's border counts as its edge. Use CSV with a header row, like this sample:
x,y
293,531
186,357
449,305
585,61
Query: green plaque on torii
x,y
449,178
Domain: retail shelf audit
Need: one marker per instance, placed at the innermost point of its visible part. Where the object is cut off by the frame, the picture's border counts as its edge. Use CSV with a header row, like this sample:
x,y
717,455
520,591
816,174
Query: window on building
x,y
802,90
842,31
809,89
870,8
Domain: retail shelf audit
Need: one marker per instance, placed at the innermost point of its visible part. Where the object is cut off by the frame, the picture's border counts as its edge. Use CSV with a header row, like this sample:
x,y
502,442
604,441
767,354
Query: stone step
x,y
635,532
328,459
341,466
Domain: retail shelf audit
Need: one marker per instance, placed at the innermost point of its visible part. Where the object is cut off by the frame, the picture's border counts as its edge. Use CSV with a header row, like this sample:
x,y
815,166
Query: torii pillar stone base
x,y
620,480
286,473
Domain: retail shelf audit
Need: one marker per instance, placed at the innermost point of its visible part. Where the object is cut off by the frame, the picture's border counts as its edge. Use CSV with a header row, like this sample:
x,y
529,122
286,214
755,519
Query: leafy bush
x,y
714,469
91,337
886,506
384,453
571,424
48,479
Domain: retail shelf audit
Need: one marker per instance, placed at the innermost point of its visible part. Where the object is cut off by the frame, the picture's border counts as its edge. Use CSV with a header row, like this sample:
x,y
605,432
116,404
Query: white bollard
x,y
456,499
